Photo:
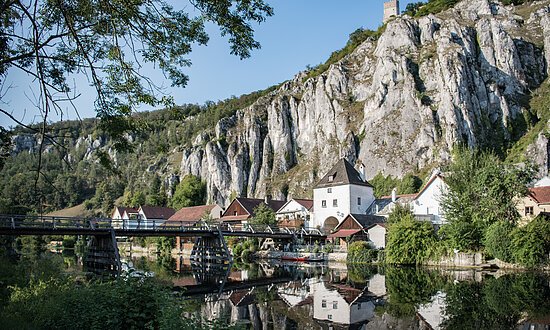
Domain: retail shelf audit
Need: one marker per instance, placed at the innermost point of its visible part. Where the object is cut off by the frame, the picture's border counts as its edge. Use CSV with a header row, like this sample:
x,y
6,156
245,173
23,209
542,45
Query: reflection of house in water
x,y
336,305
432,314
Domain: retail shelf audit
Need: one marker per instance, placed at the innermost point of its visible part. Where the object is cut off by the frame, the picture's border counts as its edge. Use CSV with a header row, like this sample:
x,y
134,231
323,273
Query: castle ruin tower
x,y
391,9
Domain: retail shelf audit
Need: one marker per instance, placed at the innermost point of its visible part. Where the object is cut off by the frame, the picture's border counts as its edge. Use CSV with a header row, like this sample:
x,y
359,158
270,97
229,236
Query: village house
x,y
342,191
536,202
354,228
121,215
296,213
150,217
242,209
189,216
427,203
385,205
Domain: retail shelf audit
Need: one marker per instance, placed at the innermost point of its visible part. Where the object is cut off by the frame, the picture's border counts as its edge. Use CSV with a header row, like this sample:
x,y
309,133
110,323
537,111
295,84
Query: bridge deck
x,y
43,225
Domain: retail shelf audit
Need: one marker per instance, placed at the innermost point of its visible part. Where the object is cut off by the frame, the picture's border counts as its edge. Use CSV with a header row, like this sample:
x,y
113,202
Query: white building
x,y
377,235
427,204
295,213
342,191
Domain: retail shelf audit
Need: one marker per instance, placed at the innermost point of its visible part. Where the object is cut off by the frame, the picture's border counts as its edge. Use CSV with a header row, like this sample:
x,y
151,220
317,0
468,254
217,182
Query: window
x,y
334,305
329,316
324,303
334,202
358,200
529,210
331,178
329,190
323,203
234,212
359,306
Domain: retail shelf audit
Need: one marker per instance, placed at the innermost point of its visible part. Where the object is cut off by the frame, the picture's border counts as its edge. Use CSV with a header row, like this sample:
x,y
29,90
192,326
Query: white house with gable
x,y
427,203
342,191
296,213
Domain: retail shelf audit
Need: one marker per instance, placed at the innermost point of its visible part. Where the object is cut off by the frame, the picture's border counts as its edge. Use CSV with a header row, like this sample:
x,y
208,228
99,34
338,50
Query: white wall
x,y
429,202
216,211
294,209
347,202
377,237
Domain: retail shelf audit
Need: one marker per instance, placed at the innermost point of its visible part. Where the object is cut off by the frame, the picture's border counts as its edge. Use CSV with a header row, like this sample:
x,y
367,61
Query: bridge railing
x,y
52,222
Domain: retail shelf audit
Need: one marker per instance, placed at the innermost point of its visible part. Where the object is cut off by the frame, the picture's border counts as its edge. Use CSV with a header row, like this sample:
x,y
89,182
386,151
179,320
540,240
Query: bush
x,y
69,242
237,250
531,244
361,252
410,242
497,240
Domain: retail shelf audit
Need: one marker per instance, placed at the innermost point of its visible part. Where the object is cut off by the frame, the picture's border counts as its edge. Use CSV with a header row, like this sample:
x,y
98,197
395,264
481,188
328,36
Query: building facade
x,y
342,191
296,213
427,204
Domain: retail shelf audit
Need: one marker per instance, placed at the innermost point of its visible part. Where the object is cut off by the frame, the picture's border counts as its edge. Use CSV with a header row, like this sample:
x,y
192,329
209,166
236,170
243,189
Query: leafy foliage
x,y
361,252
531,244
409,241
383,185
497,240
191,191
481,191
263,215
110,43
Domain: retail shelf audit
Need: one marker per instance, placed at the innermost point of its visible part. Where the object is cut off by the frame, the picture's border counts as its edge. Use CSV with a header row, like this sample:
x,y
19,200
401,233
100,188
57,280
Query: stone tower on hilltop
x,y
391,9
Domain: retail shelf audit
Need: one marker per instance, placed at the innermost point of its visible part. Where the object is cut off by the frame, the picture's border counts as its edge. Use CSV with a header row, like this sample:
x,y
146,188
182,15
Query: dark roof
x,y
193,213
122,209
157,212
250,204
365,220
307,203
342,173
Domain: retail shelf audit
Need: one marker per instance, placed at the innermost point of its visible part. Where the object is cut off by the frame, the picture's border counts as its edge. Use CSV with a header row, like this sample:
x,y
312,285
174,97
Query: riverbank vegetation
x,y
481,214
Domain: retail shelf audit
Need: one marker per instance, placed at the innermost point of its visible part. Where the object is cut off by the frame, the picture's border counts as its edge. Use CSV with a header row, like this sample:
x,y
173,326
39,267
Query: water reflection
x,y
276,295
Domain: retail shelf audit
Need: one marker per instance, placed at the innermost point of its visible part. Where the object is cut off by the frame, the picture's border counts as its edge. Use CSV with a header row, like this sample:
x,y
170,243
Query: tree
x,y
498,240
191,191
412,8
112,43
481,191
409,241
264,215
531,244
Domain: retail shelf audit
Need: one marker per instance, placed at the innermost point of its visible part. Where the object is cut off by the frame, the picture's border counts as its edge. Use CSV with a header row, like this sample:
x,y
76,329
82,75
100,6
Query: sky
x,y
300,33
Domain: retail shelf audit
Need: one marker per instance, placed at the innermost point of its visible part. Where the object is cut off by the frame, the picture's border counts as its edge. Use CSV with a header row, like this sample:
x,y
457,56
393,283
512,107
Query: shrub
x,y
361,252
531,244
410,242
497,240
247,254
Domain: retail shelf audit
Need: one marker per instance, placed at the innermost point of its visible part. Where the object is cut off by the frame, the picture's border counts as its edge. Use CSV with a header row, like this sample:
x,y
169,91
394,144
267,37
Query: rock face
x,y
398,104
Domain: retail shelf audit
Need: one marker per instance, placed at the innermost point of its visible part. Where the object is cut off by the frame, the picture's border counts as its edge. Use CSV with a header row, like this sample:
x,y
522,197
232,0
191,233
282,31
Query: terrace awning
x,y
344,233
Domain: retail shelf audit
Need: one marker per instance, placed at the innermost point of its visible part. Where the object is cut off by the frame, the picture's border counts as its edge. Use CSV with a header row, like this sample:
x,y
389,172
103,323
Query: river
x,y
268,295
283,295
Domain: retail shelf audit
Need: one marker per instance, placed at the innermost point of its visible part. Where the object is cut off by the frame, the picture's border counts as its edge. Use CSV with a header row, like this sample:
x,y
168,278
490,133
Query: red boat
x,y
302,259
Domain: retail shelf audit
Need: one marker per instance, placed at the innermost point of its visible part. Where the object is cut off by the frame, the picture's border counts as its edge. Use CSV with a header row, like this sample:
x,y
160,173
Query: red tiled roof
x,y
234,217
307,203
157,212
344,233
193,213
540,194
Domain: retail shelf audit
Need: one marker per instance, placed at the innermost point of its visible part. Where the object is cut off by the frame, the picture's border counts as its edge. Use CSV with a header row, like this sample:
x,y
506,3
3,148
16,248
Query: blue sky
x,y
301,33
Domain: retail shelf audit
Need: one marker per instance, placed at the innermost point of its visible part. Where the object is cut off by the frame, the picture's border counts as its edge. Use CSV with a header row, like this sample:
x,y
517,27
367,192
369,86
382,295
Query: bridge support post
x,y
210,258
103,257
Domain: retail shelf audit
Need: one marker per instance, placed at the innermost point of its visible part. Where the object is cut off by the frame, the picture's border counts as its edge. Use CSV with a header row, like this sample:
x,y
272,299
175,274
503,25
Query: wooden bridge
x,y
103,255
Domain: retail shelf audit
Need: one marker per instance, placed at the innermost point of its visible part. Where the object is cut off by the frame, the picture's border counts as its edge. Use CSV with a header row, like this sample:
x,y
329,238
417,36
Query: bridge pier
x,y
103,257
211,250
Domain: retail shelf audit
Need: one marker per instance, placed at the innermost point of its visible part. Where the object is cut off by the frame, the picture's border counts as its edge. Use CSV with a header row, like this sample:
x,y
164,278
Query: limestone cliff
x,y
398,103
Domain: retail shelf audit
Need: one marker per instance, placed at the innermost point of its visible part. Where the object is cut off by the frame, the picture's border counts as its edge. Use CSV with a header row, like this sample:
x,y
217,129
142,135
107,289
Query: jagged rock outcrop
x,y
398,103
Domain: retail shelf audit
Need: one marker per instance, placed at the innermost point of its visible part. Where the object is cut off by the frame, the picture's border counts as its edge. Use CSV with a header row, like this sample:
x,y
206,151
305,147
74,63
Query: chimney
x,y
394,195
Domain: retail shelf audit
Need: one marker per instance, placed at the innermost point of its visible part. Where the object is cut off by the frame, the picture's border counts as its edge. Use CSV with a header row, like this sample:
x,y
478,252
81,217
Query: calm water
x,y
275,295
